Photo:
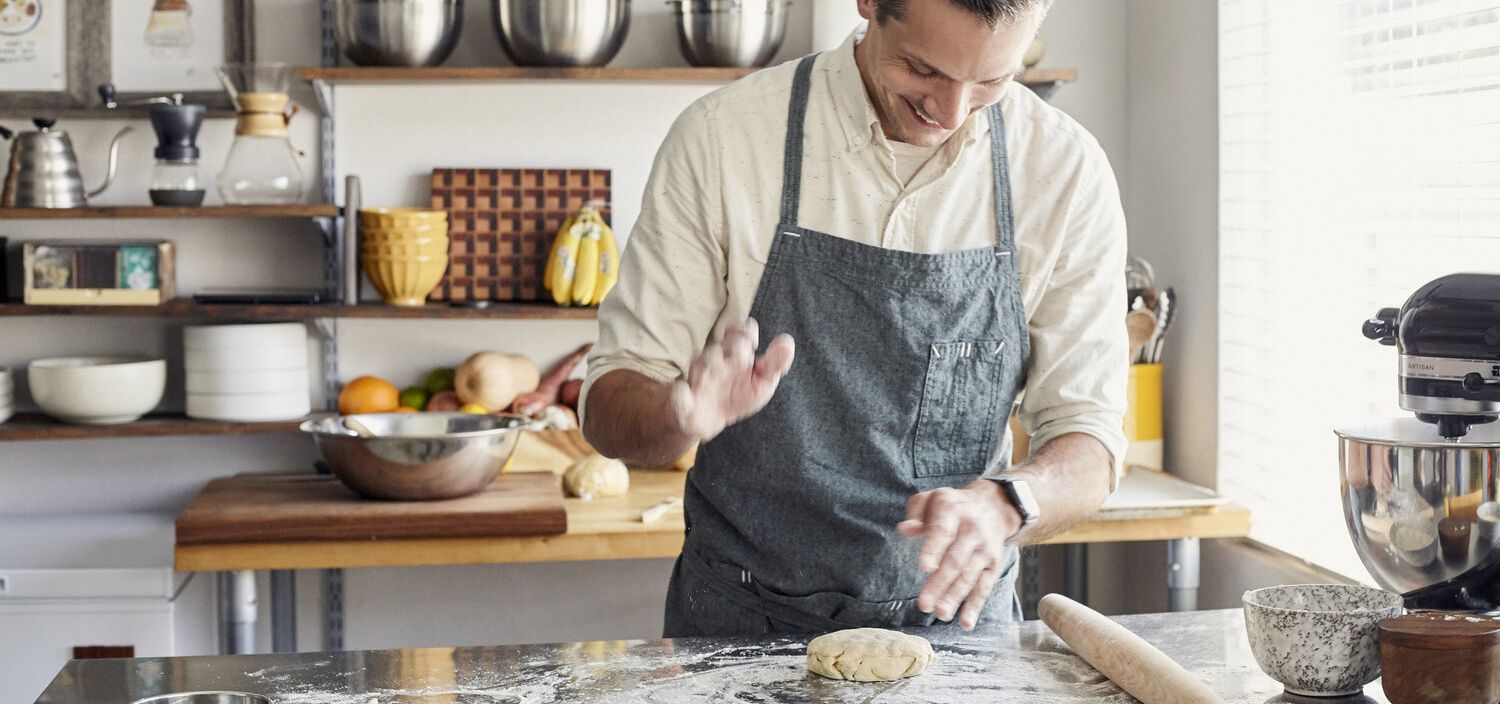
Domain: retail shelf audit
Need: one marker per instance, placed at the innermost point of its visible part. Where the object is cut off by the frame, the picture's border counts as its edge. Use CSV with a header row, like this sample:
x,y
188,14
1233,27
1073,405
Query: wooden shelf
x,y
680,74
384,74
154,211
35,426
185,308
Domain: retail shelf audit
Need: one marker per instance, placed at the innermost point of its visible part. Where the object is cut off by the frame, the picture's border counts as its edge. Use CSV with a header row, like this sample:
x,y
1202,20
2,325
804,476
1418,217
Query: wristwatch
x,y
1018,492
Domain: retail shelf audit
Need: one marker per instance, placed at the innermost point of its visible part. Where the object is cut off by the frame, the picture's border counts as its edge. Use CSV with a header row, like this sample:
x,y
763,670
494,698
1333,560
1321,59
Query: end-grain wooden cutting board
x,y
291,507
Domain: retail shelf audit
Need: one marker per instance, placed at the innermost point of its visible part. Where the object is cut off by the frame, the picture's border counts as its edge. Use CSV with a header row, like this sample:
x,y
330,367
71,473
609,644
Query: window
x,y
1359,158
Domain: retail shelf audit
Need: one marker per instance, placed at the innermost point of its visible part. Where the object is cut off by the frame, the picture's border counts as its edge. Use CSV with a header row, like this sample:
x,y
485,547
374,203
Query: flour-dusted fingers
x,y
941,518
916,511
950,583
969,615
960,569
777,360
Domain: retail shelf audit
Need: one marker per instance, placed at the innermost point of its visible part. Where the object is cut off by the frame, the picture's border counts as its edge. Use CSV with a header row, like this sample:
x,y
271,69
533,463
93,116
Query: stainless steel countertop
x,y
1018,662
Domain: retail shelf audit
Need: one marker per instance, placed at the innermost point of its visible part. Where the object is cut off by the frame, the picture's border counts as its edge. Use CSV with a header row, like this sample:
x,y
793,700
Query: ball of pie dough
x,y
868,655
597,476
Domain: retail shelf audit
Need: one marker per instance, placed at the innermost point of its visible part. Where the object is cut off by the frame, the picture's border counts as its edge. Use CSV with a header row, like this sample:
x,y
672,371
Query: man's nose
x,y
949,105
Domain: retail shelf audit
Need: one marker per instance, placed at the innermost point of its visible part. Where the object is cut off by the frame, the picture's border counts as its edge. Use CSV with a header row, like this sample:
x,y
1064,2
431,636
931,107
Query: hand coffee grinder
x,y
175,179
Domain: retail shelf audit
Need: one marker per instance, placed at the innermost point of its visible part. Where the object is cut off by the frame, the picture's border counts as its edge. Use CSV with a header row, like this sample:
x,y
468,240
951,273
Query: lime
x,y
439,380
414,397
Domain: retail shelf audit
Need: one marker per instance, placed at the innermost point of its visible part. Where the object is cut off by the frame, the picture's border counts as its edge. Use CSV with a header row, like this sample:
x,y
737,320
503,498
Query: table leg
x,y
1182,574
333,609
1076,572
1030,584
283,611
237,612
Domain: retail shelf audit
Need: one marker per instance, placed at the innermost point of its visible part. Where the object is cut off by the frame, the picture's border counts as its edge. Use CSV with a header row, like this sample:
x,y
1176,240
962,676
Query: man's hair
x,y
993,12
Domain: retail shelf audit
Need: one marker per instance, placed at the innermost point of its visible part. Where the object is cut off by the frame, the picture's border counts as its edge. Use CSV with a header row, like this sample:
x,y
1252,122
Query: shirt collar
x,y
857,116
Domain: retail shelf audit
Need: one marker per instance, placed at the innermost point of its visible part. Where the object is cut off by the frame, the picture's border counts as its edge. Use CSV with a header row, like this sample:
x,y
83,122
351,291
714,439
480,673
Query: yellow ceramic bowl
x,y
430,247
404,281
403,234
402,217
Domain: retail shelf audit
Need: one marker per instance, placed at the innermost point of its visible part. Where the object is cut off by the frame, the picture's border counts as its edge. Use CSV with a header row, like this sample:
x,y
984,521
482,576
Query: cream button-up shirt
x,y
694,259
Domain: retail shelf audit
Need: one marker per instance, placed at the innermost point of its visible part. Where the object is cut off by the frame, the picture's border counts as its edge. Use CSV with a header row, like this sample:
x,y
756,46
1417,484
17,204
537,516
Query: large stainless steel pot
x,y
561,32
398,32
735,33
1422,511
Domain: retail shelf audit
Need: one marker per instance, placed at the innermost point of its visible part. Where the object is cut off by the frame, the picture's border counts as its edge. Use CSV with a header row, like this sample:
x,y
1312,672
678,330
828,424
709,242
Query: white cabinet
x,y
45,613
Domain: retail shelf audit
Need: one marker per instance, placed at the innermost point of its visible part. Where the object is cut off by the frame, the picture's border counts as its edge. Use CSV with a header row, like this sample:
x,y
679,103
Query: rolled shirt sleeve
x,y
1079,345
671,285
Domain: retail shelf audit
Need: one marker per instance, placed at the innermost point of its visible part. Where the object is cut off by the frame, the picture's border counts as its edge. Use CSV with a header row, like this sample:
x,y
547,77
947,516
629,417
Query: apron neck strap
x,y
1004,216
791,175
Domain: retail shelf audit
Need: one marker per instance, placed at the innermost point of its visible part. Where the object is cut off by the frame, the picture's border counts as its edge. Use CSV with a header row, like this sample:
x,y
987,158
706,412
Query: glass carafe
x,y
262,166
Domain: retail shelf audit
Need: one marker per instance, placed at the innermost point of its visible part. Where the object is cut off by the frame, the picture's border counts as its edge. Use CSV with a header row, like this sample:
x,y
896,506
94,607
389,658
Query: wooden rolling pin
x,y
1127,660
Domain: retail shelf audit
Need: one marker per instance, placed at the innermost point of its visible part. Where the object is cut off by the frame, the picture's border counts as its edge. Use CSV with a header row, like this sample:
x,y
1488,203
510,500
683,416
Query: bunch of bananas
x,y
584,262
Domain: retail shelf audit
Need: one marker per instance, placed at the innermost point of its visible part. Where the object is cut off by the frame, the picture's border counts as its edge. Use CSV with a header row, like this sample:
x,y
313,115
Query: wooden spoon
x,y
359,428
1139,324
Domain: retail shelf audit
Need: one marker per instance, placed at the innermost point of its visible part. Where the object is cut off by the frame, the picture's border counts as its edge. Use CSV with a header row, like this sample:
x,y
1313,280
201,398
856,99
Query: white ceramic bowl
x,y
240,359
97,390
251,382
249,407
1318,640
244,336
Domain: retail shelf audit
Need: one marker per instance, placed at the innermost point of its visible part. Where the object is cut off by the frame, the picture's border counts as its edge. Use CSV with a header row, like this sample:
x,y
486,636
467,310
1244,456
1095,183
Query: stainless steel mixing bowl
x,y
398,32
1422,511
561,32
736,33
415,456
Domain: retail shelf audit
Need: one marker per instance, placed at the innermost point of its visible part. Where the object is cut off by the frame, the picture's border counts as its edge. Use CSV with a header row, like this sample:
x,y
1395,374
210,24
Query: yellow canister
x,y
1143,417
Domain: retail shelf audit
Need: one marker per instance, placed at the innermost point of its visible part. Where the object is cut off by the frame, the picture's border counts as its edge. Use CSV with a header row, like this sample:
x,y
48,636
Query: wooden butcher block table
x,y
285,522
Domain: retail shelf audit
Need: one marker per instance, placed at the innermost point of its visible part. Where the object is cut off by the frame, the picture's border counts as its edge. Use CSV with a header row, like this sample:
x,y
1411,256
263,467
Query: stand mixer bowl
x,y
1422,512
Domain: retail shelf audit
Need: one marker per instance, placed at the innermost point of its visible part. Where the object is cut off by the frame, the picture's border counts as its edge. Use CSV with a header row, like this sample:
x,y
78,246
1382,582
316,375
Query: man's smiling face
x,y
926,72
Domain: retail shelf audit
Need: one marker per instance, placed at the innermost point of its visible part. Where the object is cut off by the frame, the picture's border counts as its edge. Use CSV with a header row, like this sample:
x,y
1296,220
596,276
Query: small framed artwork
x,y
54,54
35,36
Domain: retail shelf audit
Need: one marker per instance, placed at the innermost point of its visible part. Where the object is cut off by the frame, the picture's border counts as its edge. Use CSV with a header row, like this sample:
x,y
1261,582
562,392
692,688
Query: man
x,y
924,258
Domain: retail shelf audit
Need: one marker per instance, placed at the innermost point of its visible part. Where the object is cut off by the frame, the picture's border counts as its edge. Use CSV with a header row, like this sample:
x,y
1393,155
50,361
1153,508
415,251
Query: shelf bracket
x,y
324,92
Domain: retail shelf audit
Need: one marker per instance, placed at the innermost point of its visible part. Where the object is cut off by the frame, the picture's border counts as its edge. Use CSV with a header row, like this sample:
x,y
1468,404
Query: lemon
x,y
472,408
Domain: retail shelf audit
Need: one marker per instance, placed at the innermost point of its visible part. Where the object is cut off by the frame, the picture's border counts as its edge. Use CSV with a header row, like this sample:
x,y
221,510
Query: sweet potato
x,y
549,390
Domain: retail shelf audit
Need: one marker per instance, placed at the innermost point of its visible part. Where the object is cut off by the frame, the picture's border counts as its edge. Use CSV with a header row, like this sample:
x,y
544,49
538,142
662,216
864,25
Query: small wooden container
x,y
1440,658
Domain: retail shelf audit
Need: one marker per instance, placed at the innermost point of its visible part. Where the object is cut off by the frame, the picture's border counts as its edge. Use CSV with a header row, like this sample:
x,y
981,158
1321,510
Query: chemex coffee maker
x,y
175,179
1420,494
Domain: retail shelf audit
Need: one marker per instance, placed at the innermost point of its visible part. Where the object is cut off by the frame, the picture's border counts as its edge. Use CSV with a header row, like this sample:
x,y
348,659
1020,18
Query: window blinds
x,y
1359,158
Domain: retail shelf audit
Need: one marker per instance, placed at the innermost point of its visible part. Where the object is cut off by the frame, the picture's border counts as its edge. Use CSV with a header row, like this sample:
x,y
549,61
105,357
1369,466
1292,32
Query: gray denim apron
x,y
907,366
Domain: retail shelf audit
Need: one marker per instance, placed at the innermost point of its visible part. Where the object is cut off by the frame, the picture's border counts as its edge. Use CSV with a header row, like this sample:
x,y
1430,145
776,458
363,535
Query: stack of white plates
x,y
7,394
247,372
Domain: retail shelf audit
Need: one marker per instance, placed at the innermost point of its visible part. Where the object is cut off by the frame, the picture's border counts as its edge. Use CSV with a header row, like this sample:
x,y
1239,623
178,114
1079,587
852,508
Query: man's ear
x,y
866,9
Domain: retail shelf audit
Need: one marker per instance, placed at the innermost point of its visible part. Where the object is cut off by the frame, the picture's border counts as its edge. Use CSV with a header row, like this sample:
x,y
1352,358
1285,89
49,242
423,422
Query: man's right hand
x,y
727,383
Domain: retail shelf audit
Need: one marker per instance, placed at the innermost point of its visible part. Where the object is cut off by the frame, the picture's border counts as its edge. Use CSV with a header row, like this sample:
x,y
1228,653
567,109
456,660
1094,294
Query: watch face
x,y
1019,493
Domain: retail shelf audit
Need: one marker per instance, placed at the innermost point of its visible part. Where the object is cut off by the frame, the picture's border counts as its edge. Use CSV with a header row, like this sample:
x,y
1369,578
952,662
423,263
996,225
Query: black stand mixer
x,y
1420,495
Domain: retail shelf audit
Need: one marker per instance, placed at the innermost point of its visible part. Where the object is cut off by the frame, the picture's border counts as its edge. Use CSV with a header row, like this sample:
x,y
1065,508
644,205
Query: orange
x,y
369,394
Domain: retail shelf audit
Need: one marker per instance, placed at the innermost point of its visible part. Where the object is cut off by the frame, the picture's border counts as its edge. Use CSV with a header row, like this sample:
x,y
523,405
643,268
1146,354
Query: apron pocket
x,y
957,423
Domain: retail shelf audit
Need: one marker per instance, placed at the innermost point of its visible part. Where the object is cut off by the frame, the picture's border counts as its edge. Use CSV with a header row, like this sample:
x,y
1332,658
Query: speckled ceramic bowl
x,y
1320,640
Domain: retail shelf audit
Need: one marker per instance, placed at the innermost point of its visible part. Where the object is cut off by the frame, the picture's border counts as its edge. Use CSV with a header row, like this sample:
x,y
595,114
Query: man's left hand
x,y
963,551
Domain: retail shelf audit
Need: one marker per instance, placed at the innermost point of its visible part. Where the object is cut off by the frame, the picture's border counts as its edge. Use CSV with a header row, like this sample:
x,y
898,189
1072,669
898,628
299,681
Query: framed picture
x,y
54,54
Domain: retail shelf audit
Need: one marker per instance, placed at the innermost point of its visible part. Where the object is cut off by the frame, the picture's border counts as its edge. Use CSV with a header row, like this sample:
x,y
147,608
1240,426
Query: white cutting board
x,y
1145,488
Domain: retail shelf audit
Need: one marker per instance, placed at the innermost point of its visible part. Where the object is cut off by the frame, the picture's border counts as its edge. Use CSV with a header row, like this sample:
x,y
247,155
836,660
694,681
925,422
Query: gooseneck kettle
x,y
43,169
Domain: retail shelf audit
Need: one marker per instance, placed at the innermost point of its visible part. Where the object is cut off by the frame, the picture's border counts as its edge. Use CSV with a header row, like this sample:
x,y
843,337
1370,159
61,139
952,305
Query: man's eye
x,y
913,70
